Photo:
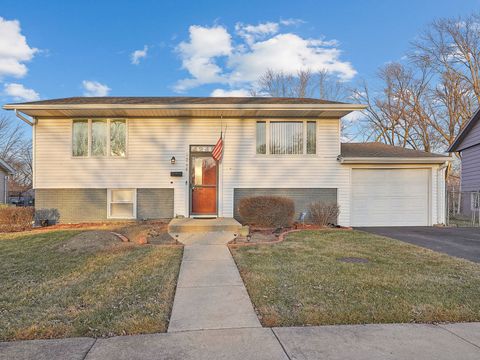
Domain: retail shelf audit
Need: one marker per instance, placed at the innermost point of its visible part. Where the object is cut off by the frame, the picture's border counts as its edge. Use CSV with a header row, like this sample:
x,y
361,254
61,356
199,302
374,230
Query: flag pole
x,y
221,133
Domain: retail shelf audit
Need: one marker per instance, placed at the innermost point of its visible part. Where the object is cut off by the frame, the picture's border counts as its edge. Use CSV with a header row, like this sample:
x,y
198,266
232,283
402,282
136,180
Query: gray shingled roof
x,y
376,149
169,100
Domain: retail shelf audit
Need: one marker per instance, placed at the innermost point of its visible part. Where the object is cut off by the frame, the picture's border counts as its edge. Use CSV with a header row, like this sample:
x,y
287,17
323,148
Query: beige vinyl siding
x,y
152,143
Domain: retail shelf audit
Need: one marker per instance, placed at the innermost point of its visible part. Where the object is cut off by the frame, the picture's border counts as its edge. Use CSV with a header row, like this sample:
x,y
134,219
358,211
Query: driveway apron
x,y
210,293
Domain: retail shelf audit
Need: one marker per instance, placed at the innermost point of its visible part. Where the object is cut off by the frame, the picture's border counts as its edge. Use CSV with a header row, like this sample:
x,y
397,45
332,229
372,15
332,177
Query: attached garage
x,y
394,186
390,197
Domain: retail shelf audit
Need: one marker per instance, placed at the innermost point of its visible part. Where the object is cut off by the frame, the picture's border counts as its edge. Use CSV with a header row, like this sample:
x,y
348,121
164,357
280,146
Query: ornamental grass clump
x,y
324,214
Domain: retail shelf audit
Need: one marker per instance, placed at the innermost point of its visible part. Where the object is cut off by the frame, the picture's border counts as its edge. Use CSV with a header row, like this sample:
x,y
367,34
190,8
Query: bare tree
x,y
331,88
23,164
302,84
16,150
11,138
423,104
452,45
450,48
399,113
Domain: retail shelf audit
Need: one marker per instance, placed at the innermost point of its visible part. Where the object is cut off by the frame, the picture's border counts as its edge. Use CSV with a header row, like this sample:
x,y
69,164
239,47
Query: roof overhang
x,y
10,170
461,136
186,110
395,160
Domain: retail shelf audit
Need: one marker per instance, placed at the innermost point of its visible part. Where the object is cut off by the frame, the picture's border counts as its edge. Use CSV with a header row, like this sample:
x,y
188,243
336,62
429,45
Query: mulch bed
x,y
92,241
260,235
109,233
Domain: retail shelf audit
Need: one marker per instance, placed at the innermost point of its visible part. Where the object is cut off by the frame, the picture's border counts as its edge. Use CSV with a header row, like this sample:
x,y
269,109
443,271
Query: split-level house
x,y
101,158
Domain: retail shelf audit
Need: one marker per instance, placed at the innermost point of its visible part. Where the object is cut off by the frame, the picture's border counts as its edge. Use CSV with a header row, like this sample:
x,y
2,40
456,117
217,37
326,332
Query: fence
x,y
463,208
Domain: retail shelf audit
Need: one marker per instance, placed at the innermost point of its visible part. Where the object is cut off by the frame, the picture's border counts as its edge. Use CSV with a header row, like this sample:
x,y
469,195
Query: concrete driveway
x,y
460,242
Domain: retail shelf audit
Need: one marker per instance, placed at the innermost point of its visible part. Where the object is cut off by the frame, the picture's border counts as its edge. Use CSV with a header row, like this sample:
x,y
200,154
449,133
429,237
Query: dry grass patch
x,y
302,281
48,290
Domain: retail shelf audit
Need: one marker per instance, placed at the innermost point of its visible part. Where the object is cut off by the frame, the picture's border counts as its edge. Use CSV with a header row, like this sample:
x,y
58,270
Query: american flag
x,y
217,151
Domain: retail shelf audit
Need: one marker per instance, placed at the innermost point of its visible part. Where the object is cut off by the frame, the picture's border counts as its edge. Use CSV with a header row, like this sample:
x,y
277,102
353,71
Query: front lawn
x,y
51,288
302,281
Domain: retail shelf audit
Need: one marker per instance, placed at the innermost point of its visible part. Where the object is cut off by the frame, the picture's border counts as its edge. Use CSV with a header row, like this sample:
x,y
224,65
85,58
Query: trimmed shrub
x,y
14,218
323,214
46,217
268,211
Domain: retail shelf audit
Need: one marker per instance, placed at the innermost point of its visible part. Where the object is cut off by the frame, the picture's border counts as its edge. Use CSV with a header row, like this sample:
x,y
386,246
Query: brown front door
x,y
203,184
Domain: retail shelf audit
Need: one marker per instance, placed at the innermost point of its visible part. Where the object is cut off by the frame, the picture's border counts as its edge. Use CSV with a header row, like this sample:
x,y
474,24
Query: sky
x,y
52,49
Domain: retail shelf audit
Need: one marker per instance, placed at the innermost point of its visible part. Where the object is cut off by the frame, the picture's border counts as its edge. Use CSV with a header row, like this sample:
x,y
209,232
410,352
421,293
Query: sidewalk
x,y
210,293
359,342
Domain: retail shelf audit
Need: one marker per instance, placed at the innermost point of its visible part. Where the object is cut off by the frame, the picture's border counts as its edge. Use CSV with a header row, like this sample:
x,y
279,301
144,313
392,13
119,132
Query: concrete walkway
x,y
359,342
210,293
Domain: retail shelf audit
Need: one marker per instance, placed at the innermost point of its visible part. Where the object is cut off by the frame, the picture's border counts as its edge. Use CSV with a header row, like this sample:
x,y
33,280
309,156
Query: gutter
x,y
390,160
22,117
338,107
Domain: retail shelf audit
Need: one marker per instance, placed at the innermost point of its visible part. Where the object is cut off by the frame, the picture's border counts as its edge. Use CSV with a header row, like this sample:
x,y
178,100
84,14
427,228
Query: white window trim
x,y
109,202
472,200
267,137
89,136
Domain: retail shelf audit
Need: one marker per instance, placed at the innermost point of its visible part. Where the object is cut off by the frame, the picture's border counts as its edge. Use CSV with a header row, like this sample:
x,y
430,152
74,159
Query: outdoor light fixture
x,y
172,160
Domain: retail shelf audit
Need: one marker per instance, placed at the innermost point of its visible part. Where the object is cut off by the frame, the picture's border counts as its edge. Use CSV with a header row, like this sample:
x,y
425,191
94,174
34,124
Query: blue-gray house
x,y
467,144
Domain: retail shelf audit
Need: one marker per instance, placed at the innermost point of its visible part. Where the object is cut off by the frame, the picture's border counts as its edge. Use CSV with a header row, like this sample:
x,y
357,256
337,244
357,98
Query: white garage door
x,y
390,197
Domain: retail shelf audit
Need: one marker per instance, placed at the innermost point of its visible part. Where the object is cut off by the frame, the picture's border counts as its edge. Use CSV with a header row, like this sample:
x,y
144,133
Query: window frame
x,y
89,136
267,137
474,198
72,137
109,203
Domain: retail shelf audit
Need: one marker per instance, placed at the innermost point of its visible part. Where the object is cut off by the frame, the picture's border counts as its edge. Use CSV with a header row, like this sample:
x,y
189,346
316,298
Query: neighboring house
x,y
150,157
467,144
5,171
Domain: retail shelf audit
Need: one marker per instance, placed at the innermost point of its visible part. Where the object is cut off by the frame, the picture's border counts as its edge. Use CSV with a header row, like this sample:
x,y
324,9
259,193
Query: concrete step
x,y
188,225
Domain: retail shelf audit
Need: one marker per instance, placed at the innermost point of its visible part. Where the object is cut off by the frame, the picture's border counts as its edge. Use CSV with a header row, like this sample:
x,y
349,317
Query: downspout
x,y
445,165
5,189
23,118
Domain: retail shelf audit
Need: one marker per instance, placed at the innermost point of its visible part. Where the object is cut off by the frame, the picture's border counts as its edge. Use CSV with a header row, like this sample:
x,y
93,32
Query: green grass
x,y
301,282
47,293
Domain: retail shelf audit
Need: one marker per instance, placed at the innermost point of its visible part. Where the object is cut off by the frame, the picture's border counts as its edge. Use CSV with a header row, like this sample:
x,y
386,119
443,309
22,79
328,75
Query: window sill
x,y
98,157
285,155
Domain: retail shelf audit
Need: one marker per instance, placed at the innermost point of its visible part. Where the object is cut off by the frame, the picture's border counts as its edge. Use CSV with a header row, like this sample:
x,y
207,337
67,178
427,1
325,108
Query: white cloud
x,y
212,56
199,55
137,55
14,50
288,22
94,88
354,116
20,93
252,32
233,93
288,53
